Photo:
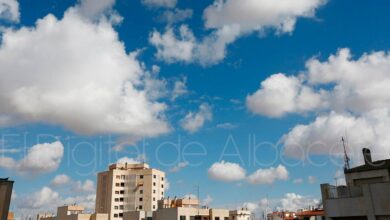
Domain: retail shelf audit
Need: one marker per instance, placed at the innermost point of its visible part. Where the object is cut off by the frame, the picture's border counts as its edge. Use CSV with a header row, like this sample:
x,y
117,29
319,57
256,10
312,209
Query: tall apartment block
x,y
5,197
128,187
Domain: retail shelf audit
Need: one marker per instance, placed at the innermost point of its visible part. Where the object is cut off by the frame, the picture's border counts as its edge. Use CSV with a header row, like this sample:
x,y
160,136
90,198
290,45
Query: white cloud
x,y
280,94
175,16
251,206
63,180
354,101
226,171
229,20
179,167
257,15
160,3
47,200
86,186
179,88
137,160
60,180
9,150
207,201
172,48
88,84
293,202
192,122
311,179
182,46
41,158
93,8
269,175
226,125
9,10
298,181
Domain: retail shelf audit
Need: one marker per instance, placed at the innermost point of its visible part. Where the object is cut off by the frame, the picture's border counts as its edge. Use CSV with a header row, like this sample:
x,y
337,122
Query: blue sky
x,y
220,92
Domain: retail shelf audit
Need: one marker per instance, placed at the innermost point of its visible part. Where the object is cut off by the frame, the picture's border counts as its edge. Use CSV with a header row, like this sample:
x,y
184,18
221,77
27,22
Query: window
x,y
162,186
116,192
141,177
118,177
162,178
121,207
121,199
140,199
154,207
154,199
154,191
216,218
122,184
141,192
120,214
154,183
116,184
115,215
123,177
162,193
182,217
116,207
116,199
154,176
140,207
226,218
122,192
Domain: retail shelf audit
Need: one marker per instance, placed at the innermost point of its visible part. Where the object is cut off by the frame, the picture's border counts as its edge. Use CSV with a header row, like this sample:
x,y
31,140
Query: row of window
x,y
141,177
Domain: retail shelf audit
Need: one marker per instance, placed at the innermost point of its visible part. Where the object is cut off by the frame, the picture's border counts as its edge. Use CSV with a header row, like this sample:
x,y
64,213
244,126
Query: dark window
x,y
141,177
116,184
226,218
154,176
122,184
140,199
154,184
116,199
162,178
154,191
122,192
140,207
141,192
116,215
182,217
121,199
120,214
216,218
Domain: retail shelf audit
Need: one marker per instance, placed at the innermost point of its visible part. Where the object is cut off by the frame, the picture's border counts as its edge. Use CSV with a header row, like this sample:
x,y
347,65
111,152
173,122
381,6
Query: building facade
x,y
5,197
366,195
189,209
128,187
72,212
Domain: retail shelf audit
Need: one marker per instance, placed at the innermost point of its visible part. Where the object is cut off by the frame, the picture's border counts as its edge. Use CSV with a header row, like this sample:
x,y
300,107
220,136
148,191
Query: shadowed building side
x,y
5,197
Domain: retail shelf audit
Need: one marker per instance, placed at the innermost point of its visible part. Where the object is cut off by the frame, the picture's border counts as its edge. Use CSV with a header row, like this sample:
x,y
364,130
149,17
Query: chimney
x,y
367,156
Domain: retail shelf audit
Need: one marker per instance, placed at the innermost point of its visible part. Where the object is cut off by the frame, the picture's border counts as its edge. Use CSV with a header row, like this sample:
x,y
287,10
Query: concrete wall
x,y
366,176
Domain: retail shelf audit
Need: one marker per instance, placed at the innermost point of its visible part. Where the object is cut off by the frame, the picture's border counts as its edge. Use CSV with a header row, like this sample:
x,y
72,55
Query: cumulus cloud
x,y
269,175
9,10
175,16
227,21
179,167
60,180
355,101
86,186
40,159
47,200
89,84
293,202
193,121
160,3
280,94
226,171
257,15
298,181
207,201
93,8
179,88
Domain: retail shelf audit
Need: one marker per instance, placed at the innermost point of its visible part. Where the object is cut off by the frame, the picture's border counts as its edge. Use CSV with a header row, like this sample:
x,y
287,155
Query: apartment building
x,y
366,195
5,197
129,187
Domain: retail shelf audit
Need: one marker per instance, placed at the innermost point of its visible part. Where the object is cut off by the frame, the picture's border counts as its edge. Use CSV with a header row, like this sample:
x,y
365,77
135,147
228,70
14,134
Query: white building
x,y
366,196
72,212
128,187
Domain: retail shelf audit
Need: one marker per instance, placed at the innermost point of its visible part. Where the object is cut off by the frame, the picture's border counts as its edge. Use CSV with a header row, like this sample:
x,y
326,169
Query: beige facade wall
x,y
72,213
128,187
183,213
367,177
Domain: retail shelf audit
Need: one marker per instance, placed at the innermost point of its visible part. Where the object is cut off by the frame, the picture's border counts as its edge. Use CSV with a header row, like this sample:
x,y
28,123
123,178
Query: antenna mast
x,y
346,158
